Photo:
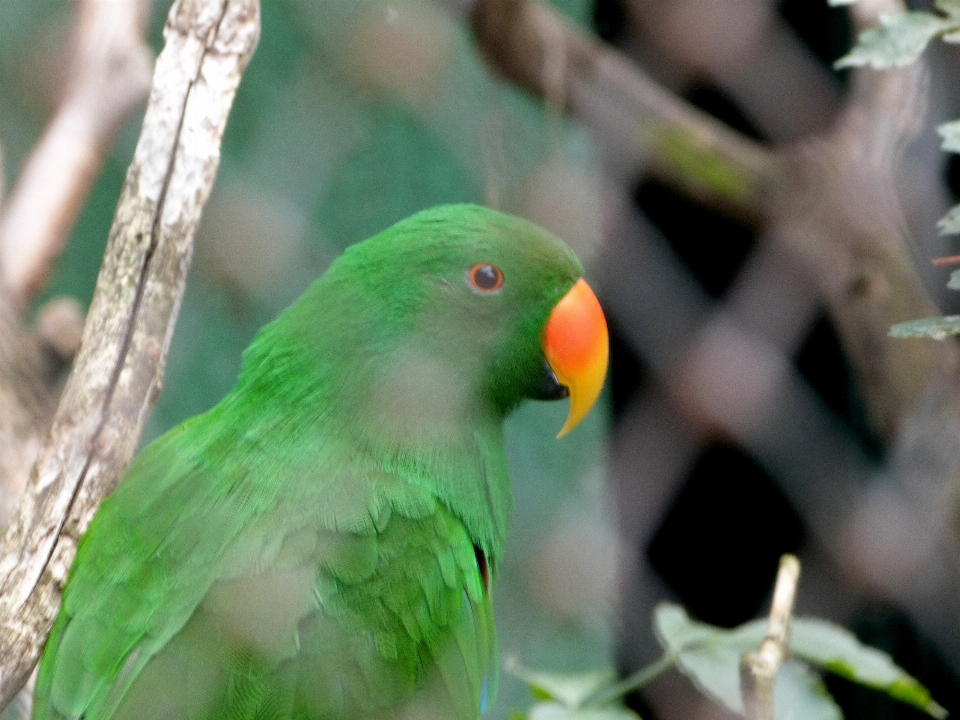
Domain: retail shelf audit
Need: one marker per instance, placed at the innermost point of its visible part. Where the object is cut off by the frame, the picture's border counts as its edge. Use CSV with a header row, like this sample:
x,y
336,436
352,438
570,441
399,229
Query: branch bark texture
x,y
110,69
118,371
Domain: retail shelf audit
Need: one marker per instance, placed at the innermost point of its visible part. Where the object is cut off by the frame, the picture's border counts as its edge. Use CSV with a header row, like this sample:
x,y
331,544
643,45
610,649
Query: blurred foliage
x,y
351,116
570,697
937,328
901,39
710,657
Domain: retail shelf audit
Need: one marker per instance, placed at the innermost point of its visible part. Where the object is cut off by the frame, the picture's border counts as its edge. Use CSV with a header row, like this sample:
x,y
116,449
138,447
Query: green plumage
x,y
319,544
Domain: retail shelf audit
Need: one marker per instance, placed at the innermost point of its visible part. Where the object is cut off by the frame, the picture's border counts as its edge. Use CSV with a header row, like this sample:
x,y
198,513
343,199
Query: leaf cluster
x,y
710,657
901,39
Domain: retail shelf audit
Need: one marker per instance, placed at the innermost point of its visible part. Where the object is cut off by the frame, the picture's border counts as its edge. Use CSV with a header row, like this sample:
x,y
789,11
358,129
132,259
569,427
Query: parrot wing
x,y
337,599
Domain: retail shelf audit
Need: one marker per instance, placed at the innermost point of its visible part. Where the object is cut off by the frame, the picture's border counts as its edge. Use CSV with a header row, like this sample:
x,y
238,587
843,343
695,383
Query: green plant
x,y
716,660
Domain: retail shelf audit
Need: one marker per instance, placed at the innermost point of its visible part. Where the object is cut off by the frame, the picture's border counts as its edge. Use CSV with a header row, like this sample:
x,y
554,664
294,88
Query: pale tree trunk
x,y
118,370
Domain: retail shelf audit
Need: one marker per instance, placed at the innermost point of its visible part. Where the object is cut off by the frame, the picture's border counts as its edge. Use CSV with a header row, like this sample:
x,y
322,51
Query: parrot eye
x,y
485,278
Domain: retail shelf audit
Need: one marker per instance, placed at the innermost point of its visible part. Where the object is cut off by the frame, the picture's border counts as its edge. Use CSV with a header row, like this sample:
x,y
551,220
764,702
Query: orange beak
x,y
576,346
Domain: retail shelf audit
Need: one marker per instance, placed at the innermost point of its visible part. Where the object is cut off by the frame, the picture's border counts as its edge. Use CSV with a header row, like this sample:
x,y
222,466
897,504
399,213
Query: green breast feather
x,y
322,543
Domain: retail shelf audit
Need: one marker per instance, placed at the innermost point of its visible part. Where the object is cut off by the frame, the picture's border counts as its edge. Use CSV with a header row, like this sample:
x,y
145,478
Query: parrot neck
x,y
421,416
468,475
403,412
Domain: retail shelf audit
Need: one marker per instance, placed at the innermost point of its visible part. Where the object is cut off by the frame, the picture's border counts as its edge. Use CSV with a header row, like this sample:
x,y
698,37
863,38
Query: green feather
x,y
309,547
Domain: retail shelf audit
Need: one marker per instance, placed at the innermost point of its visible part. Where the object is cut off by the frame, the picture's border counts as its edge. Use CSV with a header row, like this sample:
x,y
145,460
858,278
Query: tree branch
x,y
110,75
119,369
531,45
758,670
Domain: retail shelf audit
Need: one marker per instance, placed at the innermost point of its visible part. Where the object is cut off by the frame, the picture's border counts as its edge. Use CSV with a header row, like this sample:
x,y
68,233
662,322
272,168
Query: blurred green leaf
x,y
570,689
558,711
949,224
708,655
677,632
838,3
950,7
801,693
938,328
568,696
898,42
836,649
950,132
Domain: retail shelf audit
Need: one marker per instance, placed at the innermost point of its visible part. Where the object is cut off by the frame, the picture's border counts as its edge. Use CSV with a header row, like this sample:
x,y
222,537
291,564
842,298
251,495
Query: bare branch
x,y
526,41
110,76
758,670
119,369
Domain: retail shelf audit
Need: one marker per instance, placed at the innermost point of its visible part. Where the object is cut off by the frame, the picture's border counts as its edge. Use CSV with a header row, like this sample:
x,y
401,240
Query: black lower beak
x,y
550,387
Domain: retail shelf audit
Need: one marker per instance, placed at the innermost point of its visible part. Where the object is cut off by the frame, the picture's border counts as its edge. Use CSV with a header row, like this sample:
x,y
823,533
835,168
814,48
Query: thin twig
x,y
946,261
119,369
758,670
634,681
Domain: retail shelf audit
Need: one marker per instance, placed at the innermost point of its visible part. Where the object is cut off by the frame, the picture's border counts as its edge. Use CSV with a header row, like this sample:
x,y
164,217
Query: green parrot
x,y
322,543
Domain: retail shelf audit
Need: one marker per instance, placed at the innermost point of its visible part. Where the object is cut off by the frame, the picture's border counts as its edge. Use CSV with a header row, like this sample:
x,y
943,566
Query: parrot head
x,y
456,314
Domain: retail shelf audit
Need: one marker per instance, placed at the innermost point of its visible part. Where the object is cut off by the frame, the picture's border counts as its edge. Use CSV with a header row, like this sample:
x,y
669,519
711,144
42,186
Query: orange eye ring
x,y
485,278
